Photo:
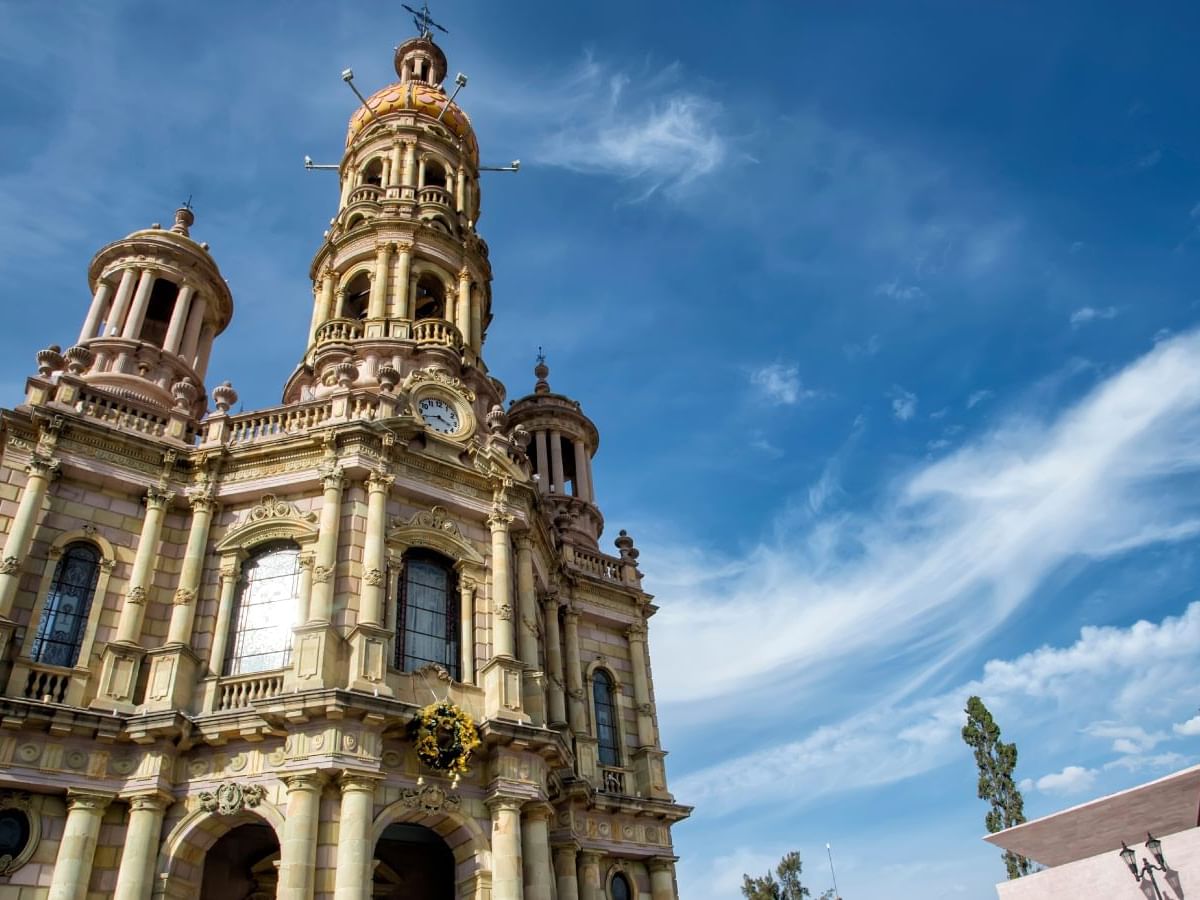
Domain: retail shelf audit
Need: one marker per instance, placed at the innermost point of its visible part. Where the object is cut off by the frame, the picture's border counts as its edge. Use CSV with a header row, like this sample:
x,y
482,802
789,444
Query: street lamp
x,y
1129,857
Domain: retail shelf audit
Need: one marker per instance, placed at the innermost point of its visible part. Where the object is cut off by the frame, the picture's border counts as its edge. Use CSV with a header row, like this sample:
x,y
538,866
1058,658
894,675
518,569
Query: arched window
x,y
427,623
431,297
373,173
620,889
158,311
358,293
266,610
604,701
435,175
60,632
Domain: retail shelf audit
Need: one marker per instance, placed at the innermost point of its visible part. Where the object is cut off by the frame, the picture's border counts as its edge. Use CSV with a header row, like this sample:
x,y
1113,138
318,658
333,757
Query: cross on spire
x,y
423,20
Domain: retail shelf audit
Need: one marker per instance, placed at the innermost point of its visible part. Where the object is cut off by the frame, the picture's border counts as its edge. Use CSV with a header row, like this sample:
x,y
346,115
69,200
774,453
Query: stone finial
x,y
184,218
224,396
185,393
346,372
541,370
521,437
388,377
625,544
495,419
79,359
49,360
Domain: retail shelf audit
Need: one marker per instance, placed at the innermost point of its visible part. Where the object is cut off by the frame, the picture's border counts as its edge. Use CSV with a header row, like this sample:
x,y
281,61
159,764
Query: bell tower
x,y
402,279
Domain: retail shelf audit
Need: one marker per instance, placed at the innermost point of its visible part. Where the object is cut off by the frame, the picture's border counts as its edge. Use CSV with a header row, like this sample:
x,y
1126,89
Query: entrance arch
x,y
243,864
413,863
460,834
183,858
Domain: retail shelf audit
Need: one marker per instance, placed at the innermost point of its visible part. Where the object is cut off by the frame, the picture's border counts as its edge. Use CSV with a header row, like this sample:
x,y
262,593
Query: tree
x,y
788,887
996,761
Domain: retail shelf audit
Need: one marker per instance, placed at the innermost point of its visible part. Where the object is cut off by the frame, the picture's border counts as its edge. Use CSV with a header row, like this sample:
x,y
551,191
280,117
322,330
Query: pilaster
x,y
77,848
135,877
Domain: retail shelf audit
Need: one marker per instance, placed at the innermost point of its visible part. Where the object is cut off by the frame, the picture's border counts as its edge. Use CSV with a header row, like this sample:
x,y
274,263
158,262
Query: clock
x,y
439,415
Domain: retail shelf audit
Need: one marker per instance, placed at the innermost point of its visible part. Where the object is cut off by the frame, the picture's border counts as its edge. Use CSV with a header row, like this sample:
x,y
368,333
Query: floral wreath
x,y
445,736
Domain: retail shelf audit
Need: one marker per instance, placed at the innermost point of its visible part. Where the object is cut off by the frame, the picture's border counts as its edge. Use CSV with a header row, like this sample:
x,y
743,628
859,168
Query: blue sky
x,y
886,313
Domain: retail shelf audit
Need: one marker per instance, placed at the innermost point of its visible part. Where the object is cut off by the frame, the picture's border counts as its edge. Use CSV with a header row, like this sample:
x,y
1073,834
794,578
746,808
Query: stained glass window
x,y
64,618
266,611
606,718
620,888
427,625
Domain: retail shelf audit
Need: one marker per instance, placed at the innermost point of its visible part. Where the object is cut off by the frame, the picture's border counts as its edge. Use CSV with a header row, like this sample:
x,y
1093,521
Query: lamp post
x,y
1129,857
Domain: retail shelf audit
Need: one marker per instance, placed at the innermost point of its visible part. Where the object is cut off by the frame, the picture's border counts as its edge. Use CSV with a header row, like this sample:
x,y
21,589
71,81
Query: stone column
x,y
477,320
370,610
133,610
339,303
535,852
355,848
121,302
641,683
460,190
191,334
394,168
409,154
556,701
556,462
589,876
135,877
466,625
526,603
421,173
183,612
322,304
543,463
307,561
583,487
298,849
463,310
96,312
575,693
230,570
502,609
402,292
73,865
179,315
506,848
662,878
377,304
20,536
207,335
320,608
137,312
565,874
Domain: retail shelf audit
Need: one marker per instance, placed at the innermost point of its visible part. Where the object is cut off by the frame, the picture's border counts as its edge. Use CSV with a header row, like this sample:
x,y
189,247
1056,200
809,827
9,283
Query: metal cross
x,y
422,19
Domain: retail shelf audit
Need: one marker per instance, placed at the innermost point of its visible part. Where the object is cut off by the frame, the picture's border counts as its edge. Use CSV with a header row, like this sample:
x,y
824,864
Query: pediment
x,y
435,530
271,519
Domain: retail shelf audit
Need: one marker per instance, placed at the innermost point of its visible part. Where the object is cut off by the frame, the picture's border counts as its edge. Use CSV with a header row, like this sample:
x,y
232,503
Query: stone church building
x,y
217,630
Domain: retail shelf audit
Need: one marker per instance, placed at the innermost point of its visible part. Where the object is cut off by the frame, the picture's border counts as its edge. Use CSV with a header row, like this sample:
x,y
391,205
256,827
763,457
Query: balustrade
x,y
612,780
121,413
436,196
436,333
366,193
339,331
242,691
47,683
599,564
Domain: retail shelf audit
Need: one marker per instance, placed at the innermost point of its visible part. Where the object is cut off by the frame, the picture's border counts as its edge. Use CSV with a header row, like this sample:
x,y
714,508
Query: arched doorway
x,y
242,865
414,863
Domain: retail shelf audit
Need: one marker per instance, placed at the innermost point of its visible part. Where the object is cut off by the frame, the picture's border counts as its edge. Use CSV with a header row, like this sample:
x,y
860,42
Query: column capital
x,y
570,613
523,540
499,520
565,847
536,810
304,781
366,782
42,466
590,857
467,584
662,863
155,801
332,477
81,798
464,273
158,498
636,631
499,803
380,481
404,246
202,498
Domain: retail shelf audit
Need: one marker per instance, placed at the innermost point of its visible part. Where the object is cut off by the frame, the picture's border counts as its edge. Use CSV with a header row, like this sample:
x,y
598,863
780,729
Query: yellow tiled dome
x,y
418,97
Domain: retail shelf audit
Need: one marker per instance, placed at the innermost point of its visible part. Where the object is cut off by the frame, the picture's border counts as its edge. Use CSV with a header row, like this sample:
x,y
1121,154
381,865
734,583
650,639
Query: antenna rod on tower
x,y
829,850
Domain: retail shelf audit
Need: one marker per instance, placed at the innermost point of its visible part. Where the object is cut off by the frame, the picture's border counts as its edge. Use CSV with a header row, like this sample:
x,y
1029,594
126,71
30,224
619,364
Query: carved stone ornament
x,y
437,519
230,798
430,799
271,507
504,611
434,375
10,566
136,595
184,597
322,574
438,672
373,577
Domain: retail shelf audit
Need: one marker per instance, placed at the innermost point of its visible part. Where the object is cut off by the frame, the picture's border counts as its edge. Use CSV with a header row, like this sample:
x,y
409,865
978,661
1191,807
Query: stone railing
x,y
365,193
601,565
431,194
339,331
612,781
255,427
121,413
241,691
436,333
47,683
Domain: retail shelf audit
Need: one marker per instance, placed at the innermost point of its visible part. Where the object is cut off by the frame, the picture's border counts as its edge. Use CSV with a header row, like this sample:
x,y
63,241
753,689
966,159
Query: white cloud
x,y
1195,213
1190,728
1071,780
869,347
897,291
1126,738
780,383
1149,160
1086,314
904,403
978,397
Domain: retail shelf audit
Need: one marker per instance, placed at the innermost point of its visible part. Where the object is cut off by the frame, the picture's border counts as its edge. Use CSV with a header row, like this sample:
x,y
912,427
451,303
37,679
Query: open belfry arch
x,y
218,628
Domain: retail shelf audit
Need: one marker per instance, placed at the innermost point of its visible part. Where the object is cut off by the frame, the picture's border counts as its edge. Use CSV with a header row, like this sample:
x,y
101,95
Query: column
x,y
207,335
377,304
574,671
477,320
583,485
641,683
230,570
589,875
73,865
96,312
370,611
394,169
460,190
135,877
463,309
320,608
179,315
421,173
556,701
137,312
40,470
451,294
121,302
308,562
662,879
347,187
543,463
466,623
502,611
355,848
556,462
409,154
535,852
339,303
402,292
526,603
565,875
506,848
298,849
323,305
183,612
133,610
191,334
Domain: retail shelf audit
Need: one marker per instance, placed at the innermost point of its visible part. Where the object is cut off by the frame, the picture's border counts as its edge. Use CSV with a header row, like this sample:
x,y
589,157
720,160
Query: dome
x,y
417,97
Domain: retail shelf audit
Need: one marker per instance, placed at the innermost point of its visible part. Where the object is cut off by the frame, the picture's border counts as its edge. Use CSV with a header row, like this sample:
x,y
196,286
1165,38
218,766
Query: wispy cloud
x,y
869,347
898,291
978,397
904,403
1149,160
1071,780
1086,314
780,383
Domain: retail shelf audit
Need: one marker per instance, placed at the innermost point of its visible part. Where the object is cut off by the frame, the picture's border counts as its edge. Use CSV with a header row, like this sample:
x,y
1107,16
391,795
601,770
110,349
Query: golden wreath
x,y
444,736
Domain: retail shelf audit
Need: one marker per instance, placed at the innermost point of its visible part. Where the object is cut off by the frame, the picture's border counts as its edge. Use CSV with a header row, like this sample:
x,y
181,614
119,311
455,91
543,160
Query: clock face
x,y
439,415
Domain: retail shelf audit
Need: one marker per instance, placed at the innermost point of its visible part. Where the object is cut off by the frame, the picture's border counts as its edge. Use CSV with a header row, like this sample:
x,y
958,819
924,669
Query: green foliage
x,y
783,884
996,761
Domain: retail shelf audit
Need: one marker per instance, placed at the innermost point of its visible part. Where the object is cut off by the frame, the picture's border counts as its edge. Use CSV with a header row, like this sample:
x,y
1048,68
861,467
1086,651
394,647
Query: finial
x,y
541,370
422,19
184,217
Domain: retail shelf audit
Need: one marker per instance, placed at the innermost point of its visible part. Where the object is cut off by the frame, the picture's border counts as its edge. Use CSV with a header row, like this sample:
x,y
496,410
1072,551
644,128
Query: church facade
x,y
222,636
